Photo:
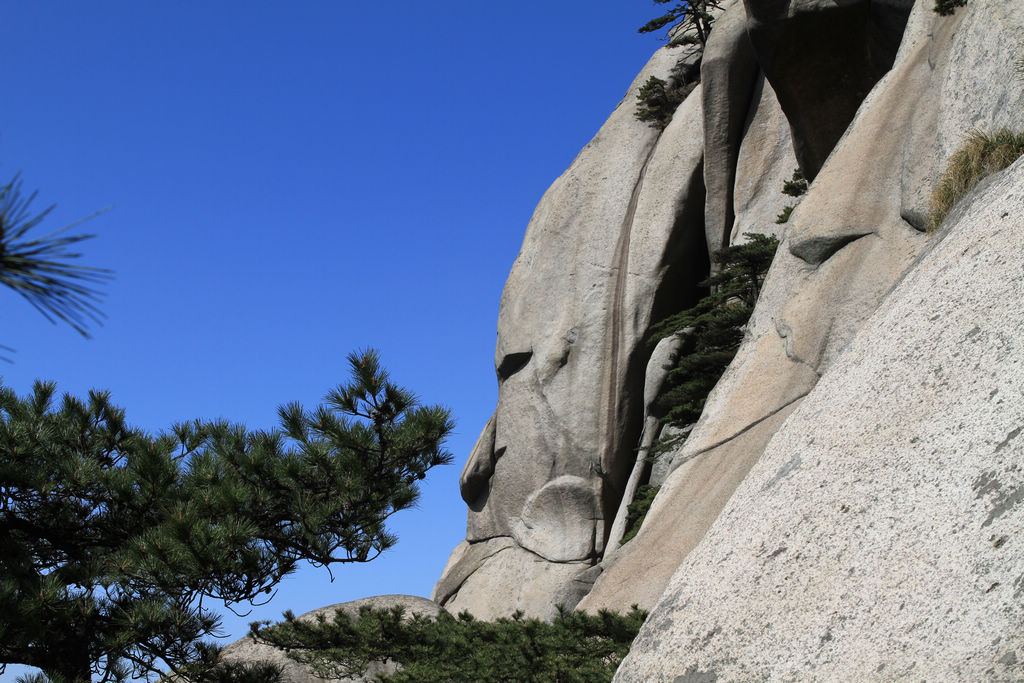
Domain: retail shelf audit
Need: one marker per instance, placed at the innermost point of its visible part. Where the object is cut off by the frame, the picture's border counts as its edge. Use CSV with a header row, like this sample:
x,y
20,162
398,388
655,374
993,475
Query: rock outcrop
x,y
603,253
850,504
870,98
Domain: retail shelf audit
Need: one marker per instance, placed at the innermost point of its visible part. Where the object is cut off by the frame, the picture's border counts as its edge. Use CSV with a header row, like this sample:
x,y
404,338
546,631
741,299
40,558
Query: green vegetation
x,y
797,185
714,328
38,268
980,156
689,23
947,7
794,187
784,215
658,99
637,510
111,538
574,647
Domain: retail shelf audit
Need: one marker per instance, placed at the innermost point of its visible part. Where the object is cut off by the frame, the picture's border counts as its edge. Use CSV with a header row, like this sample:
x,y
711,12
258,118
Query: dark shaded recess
x,y
822,62
685,263
483,493
513,363
817,250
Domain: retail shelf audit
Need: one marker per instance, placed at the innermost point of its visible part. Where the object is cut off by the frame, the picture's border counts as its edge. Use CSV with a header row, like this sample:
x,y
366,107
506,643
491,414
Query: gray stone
x,y
658,367
729,75
248,650
514,579
765,162
606,249
558,520
971,57
881,535
686,506
476,475
822,58
464,560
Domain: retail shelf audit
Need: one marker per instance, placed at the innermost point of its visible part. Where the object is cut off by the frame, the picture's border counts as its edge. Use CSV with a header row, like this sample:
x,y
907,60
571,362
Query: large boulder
x,y
881,534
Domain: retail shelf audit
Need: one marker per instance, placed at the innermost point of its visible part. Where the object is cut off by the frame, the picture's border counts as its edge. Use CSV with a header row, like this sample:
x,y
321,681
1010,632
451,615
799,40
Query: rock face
x,y
843,489
247,650
881,534
822,58
604,251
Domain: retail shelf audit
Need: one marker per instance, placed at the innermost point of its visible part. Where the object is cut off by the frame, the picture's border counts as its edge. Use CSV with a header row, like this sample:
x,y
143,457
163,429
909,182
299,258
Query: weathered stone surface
x,y
729,75
615,244
247,650
607,248
465,559
881,535
845,247
658,367
971,58
552,352
476,475
683,511
558,520
514,579
822,58
765,162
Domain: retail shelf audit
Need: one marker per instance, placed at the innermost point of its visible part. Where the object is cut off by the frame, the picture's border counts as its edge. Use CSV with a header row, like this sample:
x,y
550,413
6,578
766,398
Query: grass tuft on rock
x,y
981,155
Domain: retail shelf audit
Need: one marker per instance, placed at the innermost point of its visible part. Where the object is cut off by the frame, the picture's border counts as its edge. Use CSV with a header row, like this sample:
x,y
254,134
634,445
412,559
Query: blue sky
x,y
291,182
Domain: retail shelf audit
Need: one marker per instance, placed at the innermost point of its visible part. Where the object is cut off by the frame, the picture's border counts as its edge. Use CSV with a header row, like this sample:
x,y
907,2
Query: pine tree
x,y
111,538
714,328
689,23
574,647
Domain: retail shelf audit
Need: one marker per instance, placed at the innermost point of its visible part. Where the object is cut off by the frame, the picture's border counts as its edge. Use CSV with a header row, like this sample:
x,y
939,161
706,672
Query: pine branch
x,y
38,268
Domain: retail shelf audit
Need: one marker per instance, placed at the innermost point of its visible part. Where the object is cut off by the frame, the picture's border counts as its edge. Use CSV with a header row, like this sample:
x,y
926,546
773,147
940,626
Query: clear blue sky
x,y
291,182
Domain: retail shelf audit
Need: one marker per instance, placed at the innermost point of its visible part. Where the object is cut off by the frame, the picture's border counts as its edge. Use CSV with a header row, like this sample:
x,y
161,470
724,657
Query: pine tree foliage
x,y
797,185
575,647
658,99
111,539
40,269
713,328
794,187
688,22
636,511
947,7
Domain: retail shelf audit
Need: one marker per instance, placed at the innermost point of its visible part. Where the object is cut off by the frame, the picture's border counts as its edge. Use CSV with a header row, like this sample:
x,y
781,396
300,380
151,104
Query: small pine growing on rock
x,y
947,7
714,328
658,99
636,511
795,186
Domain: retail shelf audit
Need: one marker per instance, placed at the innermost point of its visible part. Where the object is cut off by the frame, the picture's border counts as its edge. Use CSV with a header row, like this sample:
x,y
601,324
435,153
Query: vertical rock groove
x,y
620,265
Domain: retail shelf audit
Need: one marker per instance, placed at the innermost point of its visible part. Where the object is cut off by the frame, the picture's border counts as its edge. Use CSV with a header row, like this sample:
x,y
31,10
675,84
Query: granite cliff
x,y
843,488
849,505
